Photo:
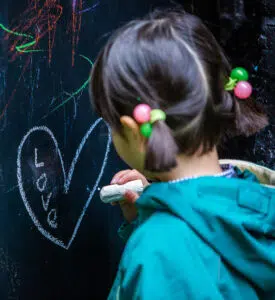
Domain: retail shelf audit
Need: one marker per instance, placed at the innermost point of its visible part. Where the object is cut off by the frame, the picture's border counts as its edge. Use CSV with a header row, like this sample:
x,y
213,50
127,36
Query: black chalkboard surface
x,y
57,240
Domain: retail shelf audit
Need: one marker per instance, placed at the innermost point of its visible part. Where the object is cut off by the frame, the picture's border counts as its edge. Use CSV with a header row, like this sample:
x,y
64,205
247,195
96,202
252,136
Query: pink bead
x,y
243,90
142,113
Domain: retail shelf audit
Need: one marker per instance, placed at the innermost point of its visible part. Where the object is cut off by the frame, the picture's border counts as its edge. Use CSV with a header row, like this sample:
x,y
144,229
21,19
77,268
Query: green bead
x,y
240,74
157,115
146,129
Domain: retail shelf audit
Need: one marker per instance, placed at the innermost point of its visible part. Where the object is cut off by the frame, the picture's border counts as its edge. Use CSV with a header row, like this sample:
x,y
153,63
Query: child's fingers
x,y
118,175
130,176
130,197
125,176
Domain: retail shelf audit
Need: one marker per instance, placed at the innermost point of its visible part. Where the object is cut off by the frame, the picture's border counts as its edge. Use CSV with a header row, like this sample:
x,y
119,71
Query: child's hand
x,y
125,176
128,207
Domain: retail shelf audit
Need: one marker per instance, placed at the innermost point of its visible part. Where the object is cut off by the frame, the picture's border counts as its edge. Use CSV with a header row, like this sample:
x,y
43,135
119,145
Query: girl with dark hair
x,y
206,228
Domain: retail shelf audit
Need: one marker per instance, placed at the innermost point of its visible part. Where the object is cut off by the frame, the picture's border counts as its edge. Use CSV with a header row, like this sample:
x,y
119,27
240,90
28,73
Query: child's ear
x,y
130,126
131,129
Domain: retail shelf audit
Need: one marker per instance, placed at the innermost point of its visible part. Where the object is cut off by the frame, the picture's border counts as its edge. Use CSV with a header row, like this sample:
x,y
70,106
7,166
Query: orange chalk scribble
x,y
77,5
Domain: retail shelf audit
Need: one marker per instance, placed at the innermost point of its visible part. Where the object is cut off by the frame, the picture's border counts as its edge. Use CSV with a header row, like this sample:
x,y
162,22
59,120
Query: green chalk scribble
x,y
22,48
84,85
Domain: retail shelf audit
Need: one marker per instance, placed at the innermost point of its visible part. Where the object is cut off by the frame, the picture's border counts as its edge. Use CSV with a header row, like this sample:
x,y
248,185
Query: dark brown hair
x,y
170,60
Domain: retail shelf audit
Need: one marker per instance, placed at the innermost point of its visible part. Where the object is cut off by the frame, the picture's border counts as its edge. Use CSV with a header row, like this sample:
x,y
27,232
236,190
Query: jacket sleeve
x,y
154,276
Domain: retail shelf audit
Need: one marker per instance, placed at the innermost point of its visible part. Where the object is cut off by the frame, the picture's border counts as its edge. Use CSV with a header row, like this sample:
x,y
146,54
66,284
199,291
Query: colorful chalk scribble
x,y
41,19
35,22
24,48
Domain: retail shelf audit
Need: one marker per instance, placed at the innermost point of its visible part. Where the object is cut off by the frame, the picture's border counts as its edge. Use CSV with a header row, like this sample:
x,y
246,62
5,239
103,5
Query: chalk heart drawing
x,y
52,219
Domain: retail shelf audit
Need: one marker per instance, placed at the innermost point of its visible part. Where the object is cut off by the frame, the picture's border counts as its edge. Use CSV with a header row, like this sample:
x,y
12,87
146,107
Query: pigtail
x,y
250,117
162,150
241,117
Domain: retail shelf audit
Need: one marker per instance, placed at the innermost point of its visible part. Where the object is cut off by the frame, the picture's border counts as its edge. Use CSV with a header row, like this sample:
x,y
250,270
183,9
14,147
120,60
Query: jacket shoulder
x,y
158,235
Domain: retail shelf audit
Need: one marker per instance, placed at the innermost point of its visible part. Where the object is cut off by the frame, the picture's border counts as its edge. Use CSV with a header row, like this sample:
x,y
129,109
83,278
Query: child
x,y
206,230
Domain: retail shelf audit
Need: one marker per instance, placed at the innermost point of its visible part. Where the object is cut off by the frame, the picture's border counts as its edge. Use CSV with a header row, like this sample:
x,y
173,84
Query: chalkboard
x,y
57,240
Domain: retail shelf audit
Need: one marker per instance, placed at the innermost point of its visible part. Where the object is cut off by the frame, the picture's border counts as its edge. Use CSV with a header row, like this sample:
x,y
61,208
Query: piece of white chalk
x,y
115,192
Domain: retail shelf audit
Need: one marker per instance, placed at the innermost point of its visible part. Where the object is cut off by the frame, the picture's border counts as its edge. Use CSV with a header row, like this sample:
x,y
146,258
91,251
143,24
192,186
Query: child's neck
x,y
193,166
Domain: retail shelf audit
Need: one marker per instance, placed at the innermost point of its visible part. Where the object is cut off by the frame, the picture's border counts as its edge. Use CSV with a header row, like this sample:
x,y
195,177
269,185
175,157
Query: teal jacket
x,y
206,238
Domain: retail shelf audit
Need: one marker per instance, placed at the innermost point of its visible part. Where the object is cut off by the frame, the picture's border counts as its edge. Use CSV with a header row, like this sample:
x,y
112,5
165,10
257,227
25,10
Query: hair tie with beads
x,y
146,117
238,82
